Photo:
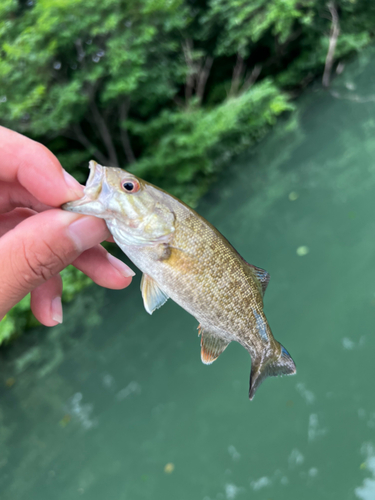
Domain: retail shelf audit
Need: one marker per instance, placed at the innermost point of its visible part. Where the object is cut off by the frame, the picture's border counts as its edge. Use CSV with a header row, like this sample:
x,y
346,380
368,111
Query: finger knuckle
x,y
42,262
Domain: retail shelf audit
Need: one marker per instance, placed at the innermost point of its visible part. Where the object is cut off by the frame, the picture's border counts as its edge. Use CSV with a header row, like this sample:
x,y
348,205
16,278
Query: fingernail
x,y
56,310
87,232
73,184
122,268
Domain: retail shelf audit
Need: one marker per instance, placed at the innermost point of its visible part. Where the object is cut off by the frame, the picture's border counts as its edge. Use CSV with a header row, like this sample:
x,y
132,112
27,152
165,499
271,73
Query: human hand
x,y
38,241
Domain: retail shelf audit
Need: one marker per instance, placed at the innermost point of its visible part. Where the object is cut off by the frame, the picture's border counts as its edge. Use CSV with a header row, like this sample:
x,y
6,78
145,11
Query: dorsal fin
x,y
153,296
211,346
262,276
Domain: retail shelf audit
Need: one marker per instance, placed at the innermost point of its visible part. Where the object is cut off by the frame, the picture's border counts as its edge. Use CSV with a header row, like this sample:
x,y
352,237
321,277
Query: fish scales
x,y
185,258
212,272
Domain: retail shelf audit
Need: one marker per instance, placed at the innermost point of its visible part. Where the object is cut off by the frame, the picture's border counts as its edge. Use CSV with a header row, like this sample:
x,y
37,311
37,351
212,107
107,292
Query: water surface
x,y
116,404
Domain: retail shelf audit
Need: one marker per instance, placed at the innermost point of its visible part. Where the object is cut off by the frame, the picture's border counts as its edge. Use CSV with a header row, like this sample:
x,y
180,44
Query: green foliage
x,y
161,87
245,23
194,140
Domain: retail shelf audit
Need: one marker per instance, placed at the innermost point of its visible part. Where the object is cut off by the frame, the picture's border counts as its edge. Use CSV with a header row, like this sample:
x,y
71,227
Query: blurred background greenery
x,y
169,89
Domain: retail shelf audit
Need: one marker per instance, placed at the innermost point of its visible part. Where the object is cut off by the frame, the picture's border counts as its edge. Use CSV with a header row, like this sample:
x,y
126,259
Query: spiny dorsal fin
x,y
153,296
211,346
262,276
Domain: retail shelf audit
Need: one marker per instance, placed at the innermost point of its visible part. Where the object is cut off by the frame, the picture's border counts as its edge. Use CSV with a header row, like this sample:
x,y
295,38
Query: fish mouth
x,y
95,176
92,201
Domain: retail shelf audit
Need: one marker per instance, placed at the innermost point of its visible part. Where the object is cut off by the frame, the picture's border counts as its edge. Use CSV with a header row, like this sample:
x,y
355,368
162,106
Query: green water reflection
x,y
117,405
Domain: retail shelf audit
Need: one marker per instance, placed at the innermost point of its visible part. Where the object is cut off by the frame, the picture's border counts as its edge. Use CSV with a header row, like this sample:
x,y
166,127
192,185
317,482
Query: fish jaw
x,y
92,202
99,193
85,206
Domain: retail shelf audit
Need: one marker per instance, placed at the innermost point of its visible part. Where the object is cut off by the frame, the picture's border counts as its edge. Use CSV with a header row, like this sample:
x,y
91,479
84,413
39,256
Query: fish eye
x,y
130,185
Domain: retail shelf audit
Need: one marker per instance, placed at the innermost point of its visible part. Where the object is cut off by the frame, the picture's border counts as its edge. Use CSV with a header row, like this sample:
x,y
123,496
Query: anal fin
x,y
211,346
153,296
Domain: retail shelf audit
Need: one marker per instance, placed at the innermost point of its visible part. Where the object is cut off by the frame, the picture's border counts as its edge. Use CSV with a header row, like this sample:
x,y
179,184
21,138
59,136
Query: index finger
x,y
36,169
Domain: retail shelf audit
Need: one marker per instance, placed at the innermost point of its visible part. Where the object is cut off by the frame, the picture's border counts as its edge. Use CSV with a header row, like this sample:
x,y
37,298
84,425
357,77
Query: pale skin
x,y
37,239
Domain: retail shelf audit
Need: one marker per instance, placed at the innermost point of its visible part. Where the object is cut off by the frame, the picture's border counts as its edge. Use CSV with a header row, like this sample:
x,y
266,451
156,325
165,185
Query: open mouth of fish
x,y
95,196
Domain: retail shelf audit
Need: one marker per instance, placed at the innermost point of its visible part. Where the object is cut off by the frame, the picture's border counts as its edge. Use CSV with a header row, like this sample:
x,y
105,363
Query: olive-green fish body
x,y
183,257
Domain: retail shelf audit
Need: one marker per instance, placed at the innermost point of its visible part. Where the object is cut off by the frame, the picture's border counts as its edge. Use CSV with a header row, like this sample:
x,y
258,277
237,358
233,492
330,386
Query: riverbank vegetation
x,y
169,89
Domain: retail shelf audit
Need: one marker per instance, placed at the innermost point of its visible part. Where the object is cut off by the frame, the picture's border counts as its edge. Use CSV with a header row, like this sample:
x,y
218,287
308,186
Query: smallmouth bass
x,y
183,257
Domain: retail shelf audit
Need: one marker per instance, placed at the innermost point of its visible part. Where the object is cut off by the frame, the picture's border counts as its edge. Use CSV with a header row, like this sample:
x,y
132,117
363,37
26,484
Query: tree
x,y
160,87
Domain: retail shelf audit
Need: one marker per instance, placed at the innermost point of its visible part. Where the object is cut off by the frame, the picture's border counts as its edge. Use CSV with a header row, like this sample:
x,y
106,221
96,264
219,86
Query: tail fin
x,y
279,362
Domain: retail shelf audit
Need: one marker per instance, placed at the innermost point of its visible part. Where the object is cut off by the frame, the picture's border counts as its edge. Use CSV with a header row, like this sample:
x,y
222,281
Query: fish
x,y
185,258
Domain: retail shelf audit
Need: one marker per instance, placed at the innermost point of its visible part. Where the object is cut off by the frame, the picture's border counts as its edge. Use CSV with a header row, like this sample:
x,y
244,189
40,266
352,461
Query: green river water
x,y
116,404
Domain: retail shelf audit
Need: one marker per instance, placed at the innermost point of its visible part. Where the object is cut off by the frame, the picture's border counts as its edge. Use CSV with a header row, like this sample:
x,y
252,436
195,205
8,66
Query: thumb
x,y
40,247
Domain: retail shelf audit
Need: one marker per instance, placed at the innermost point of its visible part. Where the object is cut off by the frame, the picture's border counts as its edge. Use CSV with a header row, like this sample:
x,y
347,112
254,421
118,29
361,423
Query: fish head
x,y
135,211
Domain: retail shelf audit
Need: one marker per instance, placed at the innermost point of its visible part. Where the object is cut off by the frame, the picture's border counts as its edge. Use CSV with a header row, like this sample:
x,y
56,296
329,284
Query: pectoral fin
x,y
211,346
153,296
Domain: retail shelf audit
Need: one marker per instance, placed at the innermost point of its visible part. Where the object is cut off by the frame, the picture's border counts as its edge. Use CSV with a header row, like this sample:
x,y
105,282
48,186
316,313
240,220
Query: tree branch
x,y
202,77
80,137
237,75
335,31
252,78
80,50
197,72
126,145
187,46
105,134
